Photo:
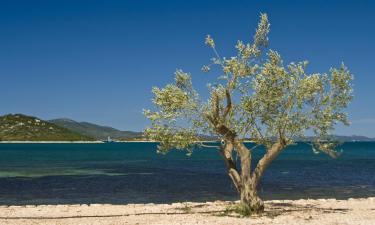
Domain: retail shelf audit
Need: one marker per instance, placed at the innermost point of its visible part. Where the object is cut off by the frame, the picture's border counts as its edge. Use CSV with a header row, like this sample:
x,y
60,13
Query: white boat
x,y
109,140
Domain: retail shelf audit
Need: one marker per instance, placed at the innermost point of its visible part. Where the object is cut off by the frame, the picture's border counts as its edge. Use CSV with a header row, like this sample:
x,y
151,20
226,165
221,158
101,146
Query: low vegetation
x,y
96,131
18,127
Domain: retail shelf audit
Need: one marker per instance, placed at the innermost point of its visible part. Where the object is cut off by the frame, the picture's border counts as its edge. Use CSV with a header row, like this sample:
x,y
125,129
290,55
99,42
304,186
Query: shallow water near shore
x,y
120,173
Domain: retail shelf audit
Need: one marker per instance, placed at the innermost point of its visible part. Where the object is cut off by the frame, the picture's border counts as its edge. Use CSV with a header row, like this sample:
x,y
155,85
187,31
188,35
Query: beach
x,y
304,211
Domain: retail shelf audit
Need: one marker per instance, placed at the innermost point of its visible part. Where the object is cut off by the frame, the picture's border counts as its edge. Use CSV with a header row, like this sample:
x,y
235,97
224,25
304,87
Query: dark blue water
x,y
121,173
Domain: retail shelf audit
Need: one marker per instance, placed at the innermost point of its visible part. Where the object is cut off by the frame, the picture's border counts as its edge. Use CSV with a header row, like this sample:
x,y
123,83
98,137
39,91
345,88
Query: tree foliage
x,y
256,96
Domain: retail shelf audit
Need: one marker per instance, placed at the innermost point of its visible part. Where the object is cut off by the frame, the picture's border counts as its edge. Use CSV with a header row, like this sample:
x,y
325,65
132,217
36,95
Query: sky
x,y
97,61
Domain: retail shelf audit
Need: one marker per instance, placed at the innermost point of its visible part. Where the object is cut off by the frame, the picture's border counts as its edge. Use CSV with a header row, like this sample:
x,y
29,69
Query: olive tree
x,y
256,97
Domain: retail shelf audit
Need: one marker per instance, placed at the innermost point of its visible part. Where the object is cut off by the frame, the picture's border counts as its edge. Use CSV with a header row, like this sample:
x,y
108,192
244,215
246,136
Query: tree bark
x,y
245,186
230,164
246,181
248,194
263,163
250,198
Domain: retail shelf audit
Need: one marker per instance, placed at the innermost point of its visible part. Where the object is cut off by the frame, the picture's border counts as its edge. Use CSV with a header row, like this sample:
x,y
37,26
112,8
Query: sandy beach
x,y
321,211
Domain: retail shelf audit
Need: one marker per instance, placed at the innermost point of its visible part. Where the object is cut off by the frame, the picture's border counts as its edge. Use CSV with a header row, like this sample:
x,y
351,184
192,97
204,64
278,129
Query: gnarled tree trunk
x,y
250,198
246,181
248,193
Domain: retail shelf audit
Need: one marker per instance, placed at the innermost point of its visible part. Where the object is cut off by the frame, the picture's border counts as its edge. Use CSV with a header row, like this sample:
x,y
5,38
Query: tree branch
x,y
226,152
263,163
245,156
259,132
215,108
209,146
229,103
225,132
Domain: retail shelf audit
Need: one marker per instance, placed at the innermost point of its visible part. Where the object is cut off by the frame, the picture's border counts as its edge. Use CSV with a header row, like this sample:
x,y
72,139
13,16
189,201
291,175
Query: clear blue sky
x,y
96,61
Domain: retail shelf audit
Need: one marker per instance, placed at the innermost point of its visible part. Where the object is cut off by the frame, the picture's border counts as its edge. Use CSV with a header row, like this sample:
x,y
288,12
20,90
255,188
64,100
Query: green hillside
x,y
94,130
18,127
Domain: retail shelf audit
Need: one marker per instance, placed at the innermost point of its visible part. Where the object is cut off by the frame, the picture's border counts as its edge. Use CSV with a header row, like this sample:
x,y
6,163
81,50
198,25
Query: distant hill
x,y
353,138
18,127
96,131
341,138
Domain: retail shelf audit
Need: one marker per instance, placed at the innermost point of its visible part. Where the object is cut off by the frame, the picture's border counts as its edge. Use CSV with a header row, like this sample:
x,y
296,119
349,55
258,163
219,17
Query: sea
x,y
122,173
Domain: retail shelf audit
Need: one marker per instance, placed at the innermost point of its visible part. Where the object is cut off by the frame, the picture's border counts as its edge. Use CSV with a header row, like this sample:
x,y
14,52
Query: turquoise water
x,y
121,173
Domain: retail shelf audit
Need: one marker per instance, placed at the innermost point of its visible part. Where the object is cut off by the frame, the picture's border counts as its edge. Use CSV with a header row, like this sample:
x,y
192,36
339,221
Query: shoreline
x,y
303,211
89,142
104,142
68,142
51,142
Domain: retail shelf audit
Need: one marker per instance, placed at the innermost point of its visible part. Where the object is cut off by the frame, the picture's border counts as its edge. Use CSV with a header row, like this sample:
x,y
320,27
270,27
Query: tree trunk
x,y
249,195
248,192
245,180
250,198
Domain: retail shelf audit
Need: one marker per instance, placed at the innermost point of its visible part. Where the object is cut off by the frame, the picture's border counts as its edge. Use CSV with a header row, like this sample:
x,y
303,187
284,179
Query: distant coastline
x,y
68,142
30,129
51,142
121,141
